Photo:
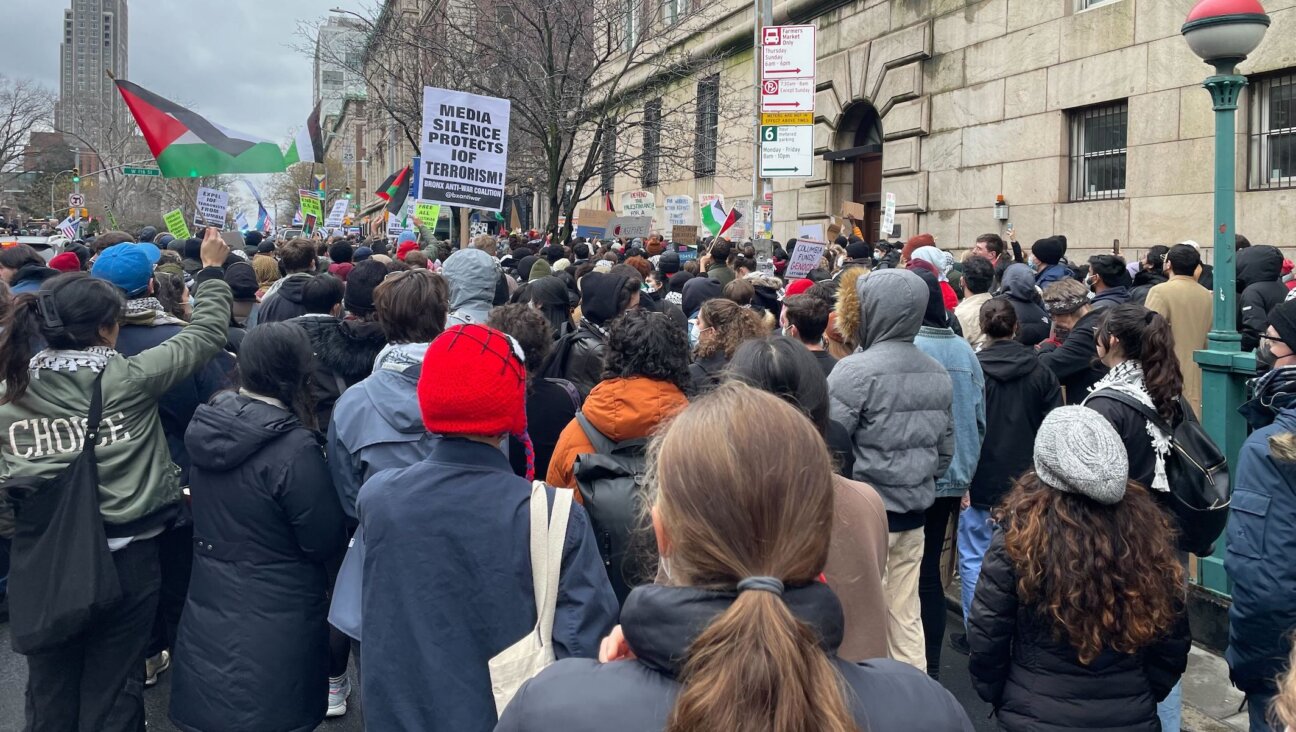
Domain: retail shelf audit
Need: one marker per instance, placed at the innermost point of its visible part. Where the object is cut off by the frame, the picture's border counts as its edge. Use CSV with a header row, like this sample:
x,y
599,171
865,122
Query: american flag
x,y
69,226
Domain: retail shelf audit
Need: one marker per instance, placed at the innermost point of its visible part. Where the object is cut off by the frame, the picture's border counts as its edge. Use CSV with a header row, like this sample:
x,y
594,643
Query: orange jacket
x,y
622,409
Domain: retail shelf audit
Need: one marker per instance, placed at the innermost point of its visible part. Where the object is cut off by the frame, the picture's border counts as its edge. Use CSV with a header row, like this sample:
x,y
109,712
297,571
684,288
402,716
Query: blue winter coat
x,y
1261,545
1052,273
960,361
447,586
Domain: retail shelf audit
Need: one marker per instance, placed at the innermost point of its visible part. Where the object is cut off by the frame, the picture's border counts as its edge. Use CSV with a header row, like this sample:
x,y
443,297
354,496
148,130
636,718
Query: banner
x,y
211,207
464,149
175,223
679,211
630,227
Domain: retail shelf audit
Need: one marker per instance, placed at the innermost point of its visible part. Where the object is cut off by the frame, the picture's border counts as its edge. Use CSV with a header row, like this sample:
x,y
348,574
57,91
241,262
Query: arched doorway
x,y
858,161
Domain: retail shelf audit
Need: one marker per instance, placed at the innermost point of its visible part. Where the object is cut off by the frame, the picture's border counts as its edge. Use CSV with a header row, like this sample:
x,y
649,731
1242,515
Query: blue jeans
x,y
975,530
1258,711
1170,709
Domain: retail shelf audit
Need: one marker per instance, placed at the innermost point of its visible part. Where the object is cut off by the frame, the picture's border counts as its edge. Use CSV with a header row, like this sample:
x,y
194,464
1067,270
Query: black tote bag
x,y
61,574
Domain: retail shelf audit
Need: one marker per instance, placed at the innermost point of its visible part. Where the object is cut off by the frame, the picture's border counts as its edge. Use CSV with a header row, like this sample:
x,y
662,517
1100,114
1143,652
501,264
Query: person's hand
x,y
966,503
614,647
417,222
214,249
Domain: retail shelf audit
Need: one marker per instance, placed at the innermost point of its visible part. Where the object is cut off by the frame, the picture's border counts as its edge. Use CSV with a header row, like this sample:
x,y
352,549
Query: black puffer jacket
x,y
344,354
1075,362
660,624
266,520
1259,282
1019,391
1035,681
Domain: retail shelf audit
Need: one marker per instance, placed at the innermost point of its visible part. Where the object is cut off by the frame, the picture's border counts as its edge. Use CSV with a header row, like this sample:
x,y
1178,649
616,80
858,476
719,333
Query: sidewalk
x,y
1210,702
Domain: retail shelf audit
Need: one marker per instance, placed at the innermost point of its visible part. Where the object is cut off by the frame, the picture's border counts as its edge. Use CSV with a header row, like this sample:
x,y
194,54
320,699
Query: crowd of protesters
x,y
316,462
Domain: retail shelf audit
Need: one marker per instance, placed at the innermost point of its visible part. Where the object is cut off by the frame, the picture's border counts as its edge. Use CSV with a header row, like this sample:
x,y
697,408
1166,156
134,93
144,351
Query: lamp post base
x,y
1225,372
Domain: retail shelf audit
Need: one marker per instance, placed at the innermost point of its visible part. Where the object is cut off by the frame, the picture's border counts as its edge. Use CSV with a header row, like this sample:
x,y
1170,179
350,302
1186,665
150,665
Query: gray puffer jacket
x,y
895,400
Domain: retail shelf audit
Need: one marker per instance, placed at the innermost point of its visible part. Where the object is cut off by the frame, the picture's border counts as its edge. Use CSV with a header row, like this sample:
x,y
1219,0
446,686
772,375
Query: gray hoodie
x,y
472,274
894,399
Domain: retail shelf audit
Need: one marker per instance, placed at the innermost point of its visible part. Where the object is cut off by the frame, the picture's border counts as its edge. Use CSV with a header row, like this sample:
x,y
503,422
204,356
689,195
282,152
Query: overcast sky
x,y
232,60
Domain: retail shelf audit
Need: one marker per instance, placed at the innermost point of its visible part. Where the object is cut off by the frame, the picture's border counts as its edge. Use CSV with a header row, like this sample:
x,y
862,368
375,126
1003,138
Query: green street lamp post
x,y
1223,33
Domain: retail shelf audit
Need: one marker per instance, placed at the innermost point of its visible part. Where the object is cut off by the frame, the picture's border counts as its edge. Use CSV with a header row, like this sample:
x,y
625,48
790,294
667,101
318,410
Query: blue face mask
x,y
694,334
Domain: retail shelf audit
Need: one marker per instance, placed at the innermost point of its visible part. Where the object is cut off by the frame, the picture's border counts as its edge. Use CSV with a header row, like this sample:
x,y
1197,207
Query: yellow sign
x,y
787,118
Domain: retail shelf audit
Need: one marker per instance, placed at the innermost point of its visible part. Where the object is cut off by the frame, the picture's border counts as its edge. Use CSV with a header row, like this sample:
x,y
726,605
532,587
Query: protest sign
x,y
592,222
630,227
211,207
834,231
679,210
175,223
684,234
740,230
853,211
888,216
805,257
310,203
464,150
308,225
337,213
687,253
813,232
427,212
638,204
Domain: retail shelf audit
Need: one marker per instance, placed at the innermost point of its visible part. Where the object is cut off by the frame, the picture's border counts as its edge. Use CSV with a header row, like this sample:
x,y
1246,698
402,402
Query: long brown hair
x,y
731,324
1106,576
1145,336
759,504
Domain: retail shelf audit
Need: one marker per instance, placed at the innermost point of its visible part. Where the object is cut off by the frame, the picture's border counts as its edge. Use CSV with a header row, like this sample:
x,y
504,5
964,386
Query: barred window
x,y
1098,137
672,11
633,24
609,156
652,142
708,120
1272,158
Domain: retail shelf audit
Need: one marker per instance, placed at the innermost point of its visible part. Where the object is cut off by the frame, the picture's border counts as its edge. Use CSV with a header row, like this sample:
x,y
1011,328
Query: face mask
x,y
694,334
1264,353
1061,333
877,254
1030,259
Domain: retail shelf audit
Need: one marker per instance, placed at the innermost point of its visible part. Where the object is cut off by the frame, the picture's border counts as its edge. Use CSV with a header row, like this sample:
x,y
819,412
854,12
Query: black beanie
x,y
1049,251
252,240
669,263
935,315
360,286
193,248
242,280
1283,319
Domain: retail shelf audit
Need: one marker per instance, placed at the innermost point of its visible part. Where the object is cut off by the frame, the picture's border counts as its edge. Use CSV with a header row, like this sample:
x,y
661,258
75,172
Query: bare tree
x,y
282,193
587,80
25,106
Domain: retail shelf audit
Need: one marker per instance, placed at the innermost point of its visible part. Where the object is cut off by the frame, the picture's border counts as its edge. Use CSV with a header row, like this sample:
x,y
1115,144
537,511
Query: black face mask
x,y
1264,353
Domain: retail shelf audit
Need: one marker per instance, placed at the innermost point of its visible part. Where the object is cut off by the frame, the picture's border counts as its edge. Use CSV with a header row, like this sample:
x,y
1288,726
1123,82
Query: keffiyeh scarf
x,y
1127,378
94,358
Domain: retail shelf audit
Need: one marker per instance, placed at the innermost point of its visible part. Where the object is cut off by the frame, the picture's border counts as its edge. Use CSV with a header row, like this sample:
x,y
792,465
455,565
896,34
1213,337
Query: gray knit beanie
x,y
1078,451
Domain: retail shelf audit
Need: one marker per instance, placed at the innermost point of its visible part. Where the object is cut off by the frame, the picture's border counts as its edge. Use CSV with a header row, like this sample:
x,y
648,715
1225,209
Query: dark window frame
x,y
706,132
1098,145
652,142
1271,142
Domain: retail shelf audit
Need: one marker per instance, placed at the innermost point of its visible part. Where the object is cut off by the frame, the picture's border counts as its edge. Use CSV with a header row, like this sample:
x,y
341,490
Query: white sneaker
x,y
339,690
155,666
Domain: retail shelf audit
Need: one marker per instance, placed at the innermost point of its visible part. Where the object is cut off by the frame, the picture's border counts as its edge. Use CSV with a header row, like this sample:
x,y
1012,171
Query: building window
x,y
652,142
332,79
673,11
633,24
1098,151
1086,4
707,122
608,172
1272,159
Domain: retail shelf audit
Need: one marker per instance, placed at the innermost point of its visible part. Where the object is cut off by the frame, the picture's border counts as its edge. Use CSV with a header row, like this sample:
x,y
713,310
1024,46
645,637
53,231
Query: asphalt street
x,y
13,675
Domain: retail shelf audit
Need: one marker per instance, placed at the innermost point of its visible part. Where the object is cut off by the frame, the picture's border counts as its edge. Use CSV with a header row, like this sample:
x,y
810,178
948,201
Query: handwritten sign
x,y
805,257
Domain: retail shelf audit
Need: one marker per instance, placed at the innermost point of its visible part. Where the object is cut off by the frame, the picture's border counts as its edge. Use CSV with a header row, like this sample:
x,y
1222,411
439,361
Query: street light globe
x,y
1225,31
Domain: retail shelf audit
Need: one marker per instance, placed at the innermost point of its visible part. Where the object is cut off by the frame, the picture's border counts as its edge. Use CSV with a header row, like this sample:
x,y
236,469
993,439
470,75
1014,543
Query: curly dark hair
x,y
1105,576
529,328
1145,336
733,324
644,343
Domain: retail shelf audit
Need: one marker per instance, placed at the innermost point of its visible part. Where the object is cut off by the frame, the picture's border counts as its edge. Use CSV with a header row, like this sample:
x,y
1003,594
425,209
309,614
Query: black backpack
x,y
611,484
557,364
1197,471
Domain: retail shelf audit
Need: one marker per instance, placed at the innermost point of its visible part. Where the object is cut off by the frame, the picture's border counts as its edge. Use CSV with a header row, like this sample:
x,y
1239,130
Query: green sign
x,y
769,133
141,171
175,223
310,204
426,212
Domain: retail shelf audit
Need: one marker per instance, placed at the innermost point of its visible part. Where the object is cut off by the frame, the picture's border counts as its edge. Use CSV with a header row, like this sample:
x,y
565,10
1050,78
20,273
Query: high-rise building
x,y
95,38
338,50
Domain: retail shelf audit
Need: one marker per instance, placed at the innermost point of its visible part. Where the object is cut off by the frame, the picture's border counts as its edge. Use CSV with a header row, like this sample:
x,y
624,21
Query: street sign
x,y
788,51
787,118
787,151
141,171
76,200
788,95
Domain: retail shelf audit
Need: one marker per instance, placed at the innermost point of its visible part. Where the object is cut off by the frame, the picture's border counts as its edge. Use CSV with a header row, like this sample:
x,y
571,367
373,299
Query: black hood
x,y
1258,264
345,347
292,288
34,273
599,293
661,622
1007,360
224,433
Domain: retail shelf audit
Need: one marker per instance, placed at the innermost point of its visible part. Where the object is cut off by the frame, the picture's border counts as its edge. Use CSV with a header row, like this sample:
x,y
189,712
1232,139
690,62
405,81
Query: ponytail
x,y
21,329
1145,336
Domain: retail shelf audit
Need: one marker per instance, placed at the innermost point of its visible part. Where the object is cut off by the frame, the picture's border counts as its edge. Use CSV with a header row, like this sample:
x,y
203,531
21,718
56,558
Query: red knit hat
x,y
798,287
474,383
405,248
65,262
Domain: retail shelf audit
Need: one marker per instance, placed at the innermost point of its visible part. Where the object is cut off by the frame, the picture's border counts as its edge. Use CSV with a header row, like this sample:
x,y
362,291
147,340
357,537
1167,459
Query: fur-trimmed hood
x,y
345,347
848,306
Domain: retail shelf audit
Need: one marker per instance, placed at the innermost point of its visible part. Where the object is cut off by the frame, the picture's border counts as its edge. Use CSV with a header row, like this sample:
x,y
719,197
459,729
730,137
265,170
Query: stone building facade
x,y
1087,116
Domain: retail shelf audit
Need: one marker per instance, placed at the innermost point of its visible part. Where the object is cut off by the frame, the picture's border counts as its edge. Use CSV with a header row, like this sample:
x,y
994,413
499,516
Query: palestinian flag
x,y
308,144
395,189
717,221
188,145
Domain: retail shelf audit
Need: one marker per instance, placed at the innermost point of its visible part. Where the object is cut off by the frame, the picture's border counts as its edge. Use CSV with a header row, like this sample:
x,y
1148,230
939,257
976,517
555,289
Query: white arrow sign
x,y
787,151
788,51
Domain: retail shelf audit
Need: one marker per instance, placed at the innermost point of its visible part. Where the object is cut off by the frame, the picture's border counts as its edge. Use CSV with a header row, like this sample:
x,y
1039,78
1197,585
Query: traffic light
x,y
348,193
76,175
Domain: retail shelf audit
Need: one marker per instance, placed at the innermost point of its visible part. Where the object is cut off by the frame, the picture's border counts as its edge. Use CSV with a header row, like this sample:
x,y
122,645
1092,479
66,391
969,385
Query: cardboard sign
x,y
834,231
684,235
592,223
175,223
630,227
464,150
211,207
310,203
853,211
427,212
805,257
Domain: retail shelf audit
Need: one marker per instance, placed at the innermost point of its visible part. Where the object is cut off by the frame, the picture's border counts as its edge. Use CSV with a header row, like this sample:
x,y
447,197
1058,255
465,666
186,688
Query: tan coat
x,y
1188,307
856,559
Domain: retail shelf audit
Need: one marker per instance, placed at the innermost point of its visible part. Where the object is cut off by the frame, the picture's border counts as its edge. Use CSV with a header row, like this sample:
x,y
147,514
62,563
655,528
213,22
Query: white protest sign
x,y
398,223
805,257
630,227
211,207
740,230
888,216
679,211
464,151
813,232
336,215
638,203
